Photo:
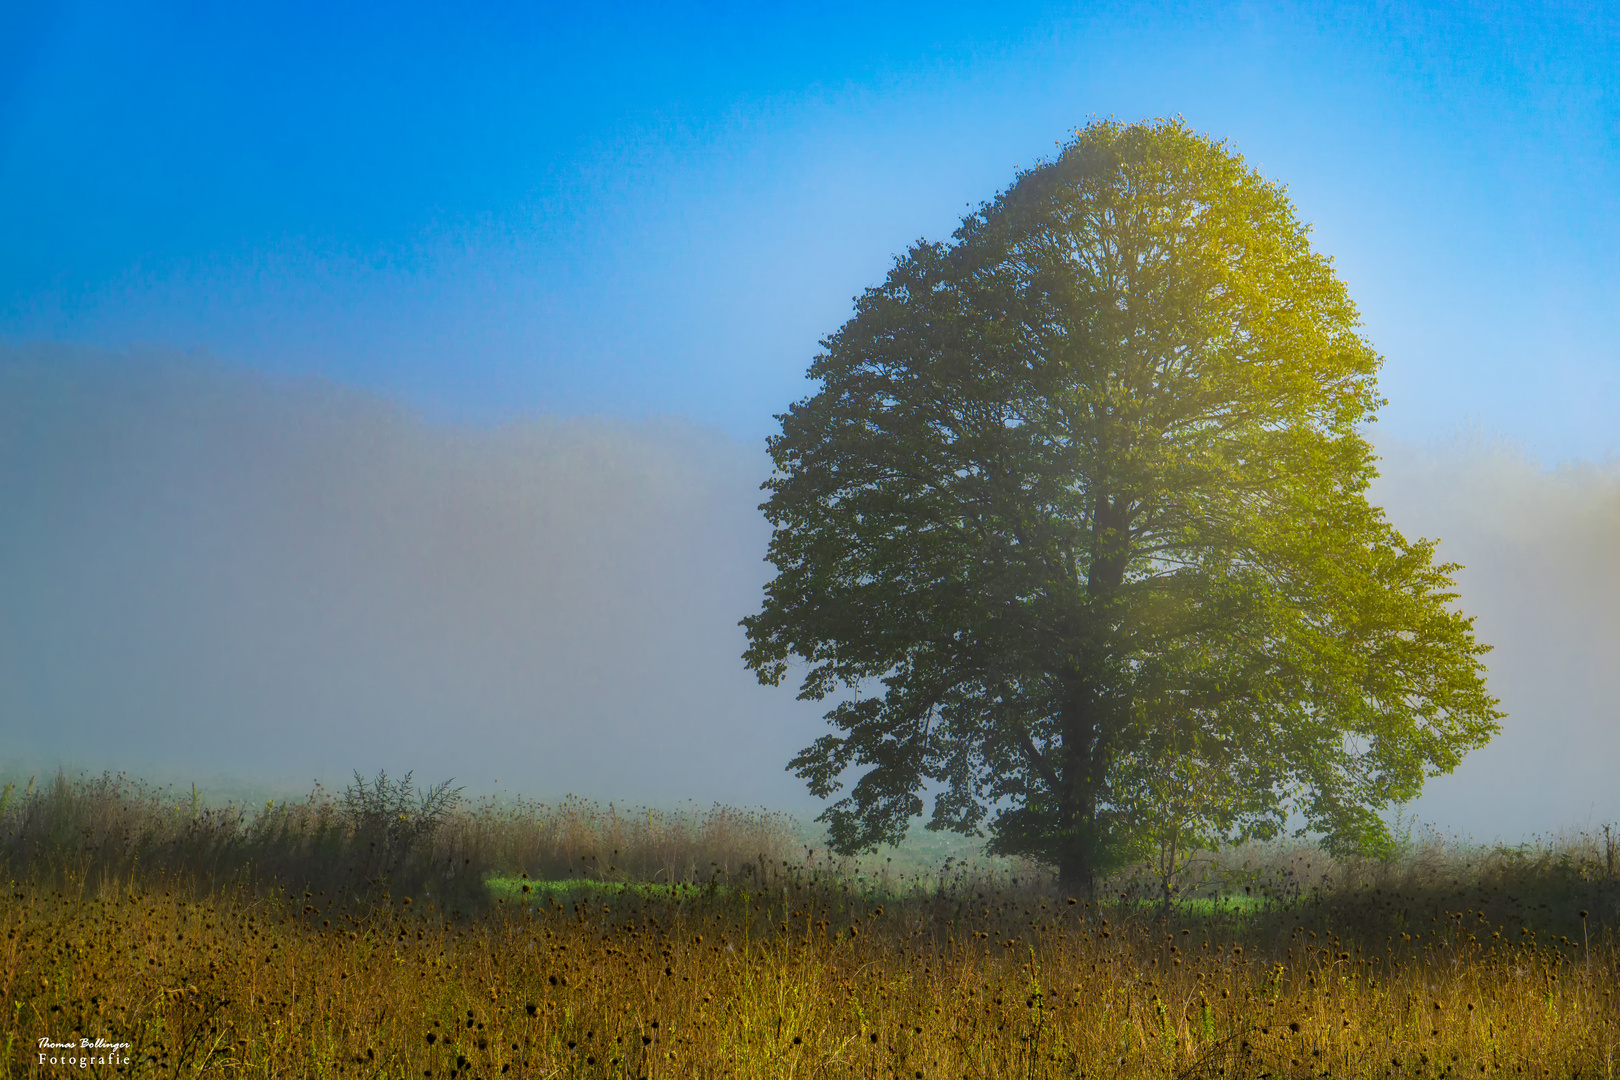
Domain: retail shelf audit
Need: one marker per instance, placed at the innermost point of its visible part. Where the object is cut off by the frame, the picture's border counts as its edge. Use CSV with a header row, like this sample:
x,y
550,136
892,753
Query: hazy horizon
x,y
210,573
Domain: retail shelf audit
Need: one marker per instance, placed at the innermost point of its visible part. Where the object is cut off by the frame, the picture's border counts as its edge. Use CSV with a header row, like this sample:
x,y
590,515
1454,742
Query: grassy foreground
x,y
805,981
1465,970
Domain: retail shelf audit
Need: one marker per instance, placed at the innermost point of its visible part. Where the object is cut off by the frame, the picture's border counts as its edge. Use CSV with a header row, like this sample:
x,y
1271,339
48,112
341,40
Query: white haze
x,y
1541,555
206,572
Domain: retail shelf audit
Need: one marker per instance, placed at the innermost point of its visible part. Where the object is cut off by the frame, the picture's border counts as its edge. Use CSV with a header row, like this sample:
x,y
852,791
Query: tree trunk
x,y
1077,803
1077,871
1086,722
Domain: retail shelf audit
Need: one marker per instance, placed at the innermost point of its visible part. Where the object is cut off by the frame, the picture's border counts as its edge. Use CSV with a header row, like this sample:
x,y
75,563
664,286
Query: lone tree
x,y
1075,529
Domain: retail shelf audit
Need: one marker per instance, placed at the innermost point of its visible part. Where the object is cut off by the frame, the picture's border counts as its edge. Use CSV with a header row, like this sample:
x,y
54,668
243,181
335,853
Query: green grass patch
x,y
1208,907
511,888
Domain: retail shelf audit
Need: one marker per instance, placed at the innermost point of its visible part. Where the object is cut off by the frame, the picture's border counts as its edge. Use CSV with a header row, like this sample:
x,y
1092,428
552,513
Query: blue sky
x,y
495,212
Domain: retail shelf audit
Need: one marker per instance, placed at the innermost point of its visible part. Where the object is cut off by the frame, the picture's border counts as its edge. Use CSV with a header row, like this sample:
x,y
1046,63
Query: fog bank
x,y
205,571
1541,576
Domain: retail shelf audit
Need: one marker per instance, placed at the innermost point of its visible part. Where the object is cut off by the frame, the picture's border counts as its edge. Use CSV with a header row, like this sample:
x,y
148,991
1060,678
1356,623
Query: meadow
x,y
373,934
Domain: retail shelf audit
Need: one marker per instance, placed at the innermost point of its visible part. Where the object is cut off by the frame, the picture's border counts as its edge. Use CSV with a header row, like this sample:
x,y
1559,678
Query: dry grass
x,y
798,979
92,831
581,839
785,972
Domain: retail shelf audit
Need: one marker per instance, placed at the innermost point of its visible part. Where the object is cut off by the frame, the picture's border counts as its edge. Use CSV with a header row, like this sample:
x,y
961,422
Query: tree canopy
x,y
1075,531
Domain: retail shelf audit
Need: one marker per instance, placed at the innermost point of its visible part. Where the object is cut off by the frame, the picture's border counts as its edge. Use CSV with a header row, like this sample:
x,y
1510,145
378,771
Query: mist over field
x,y
1541,555
209,572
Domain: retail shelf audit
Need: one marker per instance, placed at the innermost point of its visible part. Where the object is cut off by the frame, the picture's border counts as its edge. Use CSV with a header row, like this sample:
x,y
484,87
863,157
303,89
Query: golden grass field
x,y
784,971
